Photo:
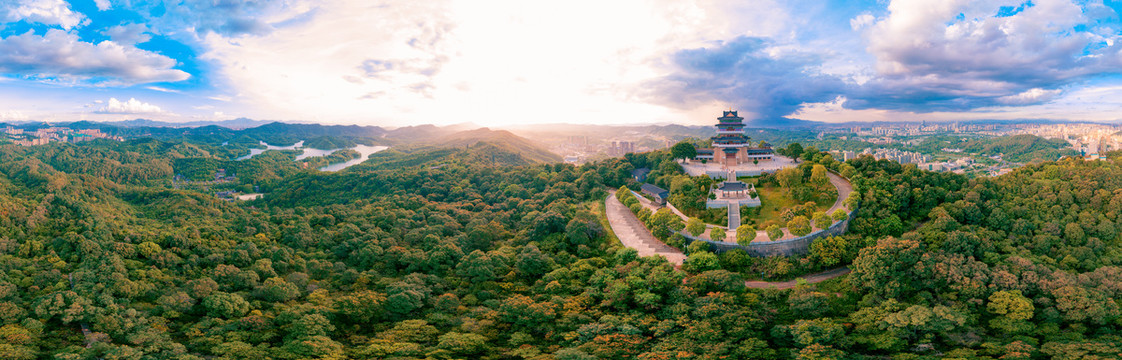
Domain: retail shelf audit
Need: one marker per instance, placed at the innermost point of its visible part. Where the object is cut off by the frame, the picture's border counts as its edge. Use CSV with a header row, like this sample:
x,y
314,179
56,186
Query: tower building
x,y
731,146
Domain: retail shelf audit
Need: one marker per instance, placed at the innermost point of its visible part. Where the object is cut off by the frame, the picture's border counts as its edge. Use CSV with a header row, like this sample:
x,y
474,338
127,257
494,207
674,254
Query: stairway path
x,y
633,234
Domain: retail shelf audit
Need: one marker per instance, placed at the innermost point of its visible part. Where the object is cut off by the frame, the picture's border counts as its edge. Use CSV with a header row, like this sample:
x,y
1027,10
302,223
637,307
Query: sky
x,y
517,62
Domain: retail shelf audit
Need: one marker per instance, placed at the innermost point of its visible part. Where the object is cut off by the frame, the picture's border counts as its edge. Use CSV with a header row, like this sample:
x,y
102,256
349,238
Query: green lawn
x,y
776,199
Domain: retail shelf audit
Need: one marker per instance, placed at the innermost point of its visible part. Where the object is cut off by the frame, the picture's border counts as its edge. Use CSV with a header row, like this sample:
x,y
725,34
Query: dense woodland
x,y
448,253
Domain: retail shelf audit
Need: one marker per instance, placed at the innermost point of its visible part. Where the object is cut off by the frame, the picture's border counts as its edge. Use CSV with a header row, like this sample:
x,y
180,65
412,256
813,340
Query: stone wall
x,y
787,247
721,204
739,173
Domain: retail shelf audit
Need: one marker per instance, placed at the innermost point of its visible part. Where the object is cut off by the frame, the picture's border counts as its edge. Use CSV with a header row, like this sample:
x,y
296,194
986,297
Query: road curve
x,y
810,279
844,188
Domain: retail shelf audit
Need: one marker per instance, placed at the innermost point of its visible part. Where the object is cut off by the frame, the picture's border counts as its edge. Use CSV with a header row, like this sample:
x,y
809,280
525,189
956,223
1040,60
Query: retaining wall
x,y
786,247
718,204
722,174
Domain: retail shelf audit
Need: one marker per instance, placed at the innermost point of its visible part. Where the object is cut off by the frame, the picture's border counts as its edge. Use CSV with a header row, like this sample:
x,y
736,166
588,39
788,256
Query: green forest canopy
x,y
492,260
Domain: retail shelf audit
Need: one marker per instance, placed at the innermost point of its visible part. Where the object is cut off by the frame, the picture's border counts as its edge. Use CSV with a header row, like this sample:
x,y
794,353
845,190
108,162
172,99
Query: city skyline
x,y
445,62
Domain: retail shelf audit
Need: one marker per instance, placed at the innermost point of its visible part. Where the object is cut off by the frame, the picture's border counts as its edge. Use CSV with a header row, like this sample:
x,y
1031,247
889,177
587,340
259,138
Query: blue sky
x,y
496,62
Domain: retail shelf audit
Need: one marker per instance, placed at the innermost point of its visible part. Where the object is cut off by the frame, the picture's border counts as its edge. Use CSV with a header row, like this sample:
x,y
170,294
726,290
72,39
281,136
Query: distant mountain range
x,y
239,123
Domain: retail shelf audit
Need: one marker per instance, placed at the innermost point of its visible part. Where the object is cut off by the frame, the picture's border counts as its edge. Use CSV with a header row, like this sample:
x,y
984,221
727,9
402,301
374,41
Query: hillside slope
x,y
500,142
1021,148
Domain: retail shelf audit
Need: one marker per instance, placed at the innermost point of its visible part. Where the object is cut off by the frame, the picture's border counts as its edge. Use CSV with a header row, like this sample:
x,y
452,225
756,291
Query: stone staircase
x,y
734,215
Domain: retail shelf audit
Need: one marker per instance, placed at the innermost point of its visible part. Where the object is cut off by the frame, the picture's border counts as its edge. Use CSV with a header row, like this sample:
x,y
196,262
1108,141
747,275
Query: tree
x,y
830,250
531,262
789,178
794,150
583,228
278,290
664,222
148,249
462,343
886,268
818,176
808,332
695,226
225,305
839,215
821,220
310,325
361,306
745,234
820,352
1012,311
66,305
702,261
683,150
774,232
717,234
477,266
799,226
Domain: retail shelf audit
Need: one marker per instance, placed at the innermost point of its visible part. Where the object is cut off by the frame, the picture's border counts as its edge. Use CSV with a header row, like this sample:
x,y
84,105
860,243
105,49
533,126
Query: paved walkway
x,y
734,215
844,188
810,279
633,234
696,168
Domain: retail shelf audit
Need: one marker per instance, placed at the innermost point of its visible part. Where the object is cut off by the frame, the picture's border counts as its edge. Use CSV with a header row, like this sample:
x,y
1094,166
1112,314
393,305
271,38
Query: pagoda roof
x,y
733,186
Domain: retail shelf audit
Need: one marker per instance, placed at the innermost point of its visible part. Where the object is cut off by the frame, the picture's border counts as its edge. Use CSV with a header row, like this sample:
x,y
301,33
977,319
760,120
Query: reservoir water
x,y
363,150
309,152
255,152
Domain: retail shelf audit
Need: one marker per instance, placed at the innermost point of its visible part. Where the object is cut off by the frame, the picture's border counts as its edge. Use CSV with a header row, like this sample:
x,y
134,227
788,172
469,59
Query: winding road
x,y
810,279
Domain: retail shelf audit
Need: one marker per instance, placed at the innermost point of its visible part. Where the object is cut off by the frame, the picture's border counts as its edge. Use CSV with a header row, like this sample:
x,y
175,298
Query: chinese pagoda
x,y
731,146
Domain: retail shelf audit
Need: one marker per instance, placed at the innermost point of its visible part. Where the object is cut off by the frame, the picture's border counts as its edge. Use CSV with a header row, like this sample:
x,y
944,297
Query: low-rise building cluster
x,y
900,156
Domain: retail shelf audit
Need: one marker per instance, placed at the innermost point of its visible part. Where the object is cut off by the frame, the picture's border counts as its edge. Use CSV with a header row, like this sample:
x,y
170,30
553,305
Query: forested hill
x,y
501,140
1021,148
455,258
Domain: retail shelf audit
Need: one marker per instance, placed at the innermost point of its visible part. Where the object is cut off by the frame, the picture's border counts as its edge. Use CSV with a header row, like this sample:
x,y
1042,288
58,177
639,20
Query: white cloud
x,y
51,12
160,89
128,34
103,4
959,51
132,106
442,61
861,21
1030,96
12,115
61,55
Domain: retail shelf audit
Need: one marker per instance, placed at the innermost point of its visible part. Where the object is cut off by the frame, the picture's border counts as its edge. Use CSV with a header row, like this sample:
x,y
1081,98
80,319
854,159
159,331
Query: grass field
x,y
774,200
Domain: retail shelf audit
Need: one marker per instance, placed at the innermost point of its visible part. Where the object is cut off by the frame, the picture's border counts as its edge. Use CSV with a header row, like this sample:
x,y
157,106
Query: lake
x,y
362,149
255,152
309,152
